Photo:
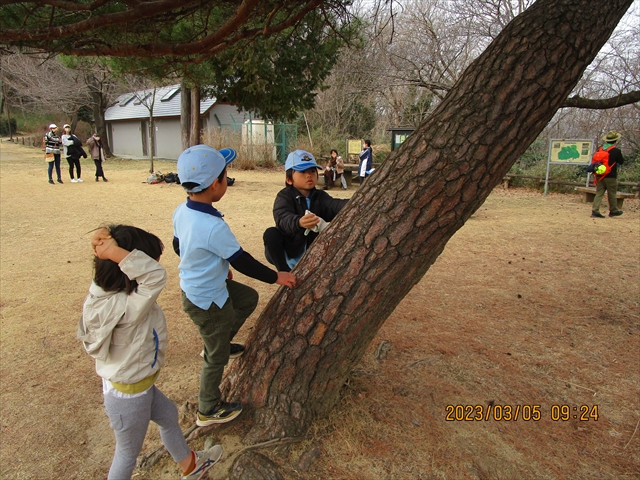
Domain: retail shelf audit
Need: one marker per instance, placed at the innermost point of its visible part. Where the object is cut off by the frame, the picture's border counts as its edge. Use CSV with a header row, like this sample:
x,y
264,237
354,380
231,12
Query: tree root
x,y
194,432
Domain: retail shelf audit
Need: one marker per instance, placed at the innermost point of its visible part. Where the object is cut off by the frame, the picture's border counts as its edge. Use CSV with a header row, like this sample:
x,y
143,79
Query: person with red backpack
x,y
604,166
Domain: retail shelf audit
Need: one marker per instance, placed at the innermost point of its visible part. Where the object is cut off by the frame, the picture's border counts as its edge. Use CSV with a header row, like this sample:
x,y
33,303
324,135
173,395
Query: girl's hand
x,y
287,279
101,243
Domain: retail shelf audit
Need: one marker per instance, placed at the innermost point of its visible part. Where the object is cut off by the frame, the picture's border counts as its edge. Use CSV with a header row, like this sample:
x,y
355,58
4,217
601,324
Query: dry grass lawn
x,y
532,304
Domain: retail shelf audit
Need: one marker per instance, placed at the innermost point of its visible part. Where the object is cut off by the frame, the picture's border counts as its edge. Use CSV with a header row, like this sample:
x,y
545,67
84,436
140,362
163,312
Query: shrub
x,y
630,170
380,152
4,126
249,157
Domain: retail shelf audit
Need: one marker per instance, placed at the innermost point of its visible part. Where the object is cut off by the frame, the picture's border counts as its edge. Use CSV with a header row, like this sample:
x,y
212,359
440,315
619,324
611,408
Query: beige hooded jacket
x,y
127,334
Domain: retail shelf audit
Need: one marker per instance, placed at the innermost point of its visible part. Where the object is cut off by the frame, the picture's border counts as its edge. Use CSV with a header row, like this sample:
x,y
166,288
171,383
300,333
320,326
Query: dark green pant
x,y
217,328
609,185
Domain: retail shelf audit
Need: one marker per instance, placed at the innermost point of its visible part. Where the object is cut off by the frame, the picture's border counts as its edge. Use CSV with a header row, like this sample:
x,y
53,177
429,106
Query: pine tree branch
x,y
603,104
83,37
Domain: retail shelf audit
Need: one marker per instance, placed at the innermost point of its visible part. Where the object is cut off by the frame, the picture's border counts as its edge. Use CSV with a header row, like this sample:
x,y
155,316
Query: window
x,y
170,94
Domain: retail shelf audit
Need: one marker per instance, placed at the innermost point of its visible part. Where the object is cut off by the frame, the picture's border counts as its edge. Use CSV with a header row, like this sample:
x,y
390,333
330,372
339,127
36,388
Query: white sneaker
x,y
205,459
80,180
73,180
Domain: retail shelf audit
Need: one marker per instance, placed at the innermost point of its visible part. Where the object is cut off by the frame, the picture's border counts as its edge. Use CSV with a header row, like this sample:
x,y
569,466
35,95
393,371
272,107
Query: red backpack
x,y
601,159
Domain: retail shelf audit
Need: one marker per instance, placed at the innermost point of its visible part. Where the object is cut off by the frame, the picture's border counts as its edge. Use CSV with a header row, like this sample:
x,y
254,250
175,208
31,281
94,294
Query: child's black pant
x,y
274,249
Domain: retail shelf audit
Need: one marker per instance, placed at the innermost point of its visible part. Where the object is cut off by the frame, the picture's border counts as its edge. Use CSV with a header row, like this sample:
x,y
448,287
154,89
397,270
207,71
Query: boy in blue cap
x,y
216,303
300,210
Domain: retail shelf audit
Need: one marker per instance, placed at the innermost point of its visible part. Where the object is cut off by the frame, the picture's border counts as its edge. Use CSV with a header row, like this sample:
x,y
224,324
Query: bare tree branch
x,y
605,103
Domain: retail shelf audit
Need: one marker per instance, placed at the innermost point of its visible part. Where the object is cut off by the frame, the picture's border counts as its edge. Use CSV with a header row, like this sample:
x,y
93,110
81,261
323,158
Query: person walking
x,y
606,174
97,153
52,143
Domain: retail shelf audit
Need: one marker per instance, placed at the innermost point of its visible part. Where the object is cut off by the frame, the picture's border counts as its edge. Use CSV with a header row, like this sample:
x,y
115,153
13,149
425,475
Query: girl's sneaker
x,y
205,459
80,180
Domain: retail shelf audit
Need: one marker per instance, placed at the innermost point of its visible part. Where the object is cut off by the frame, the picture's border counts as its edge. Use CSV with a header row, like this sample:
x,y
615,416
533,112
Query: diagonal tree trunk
x,y
307,340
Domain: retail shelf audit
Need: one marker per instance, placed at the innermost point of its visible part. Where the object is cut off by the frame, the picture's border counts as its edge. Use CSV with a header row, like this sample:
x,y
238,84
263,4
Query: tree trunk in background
x,y
152,132
98,106
308,340
74,124
185,115
194,134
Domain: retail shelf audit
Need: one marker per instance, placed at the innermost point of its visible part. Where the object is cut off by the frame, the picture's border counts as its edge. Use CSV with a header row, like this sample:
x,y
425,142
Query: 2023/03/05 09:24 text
x,y
508,413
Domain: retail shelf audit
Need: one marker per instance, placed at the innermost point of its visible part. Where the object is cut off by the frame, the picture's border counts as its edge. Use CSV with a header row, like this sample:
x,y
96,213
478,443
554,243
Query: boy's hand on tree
x,y
287,279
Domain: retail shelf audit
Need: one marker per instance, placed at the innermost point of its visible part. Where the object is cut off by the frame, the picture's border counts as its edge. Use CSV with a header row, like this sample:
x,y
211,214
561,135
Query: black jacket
x,y
76,151
290,205
615,157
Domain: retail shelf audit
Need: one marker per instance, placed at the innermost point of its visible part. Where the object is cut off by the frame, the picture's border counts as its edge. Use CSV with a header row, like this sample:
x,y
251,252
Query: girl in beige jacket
x,y
124,329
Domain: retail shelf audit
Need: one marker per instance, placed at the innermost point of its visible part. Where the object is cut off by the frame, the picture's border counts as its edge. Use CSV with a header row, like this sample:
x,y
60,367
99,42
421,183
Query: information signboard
x,y
568,152
354,147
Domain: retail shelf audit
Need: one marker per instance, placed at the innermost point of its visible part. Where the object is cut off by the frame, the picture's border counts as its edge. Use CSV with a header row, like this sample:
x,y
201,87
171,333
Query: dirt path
x,y
532,303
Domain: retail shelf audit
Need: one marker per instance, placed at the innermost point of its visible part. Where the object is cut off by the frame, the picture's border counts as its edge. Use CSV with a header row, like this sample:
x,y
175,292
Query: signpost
x,y
568,152
354,147
399,135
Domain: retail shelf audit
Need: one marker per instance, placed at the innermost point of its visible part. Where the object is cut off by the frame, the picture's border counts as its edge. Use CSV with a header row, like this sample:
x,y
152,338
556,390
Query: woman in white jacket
x,y
124,329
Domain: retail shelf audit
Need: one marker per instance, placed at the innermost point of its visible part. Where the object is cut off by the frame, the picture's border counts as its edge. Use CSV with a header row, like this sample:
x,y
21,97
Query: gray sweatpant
x,y
129,418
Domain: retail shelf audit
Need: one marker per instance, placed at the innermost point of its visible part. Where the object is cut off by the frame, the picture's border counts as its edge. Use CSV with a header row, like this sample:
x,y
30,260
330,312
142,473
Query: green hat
x,y
612,137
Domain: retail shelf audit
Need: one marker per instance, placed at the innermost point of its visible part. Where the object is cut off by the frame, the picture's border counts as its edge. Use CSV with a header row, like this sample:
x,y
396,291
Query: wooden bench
x,y
590,195
350,174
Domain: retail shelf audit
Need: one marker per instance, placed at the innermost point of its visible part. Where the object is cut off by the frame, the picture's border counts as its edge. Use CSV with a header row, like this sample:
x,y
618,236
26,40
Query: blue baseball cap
x,y
300,160
202,164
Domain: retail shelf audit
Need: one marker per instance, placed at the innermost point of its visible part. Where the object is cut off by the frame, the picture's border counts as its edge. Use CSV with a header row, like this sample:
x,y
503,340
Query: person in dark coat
x,y
301,212
73,151
366,161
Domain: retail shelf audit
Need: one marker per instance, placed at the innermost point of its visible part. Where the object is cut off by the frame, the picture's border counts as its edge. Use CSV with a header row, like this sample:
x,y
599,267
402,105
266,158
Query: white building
x,y
128,122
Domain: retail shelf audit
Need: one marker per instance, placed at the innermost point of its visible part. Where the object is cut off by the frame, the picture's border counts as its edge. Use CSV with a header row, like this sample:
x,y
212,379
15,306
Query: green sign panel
x,y
571,151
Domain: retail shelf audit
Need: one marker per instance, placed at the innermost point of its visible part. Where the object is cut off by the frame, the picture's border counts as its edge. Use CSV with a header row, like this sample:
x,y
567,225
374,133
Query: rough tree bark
x,y
307,340
185,115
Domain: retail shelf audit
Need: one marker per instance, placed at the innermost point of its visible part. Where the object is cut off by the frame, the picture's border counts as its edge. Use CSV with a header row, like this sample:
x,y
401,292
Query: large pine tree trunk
x,y
307,340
